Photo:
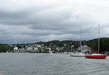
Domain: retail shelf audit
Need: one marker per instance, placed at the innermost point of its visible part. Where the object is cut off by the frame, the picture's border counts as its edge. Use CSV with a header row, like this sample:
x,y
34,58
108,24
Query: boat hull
x,y
77,55
96,56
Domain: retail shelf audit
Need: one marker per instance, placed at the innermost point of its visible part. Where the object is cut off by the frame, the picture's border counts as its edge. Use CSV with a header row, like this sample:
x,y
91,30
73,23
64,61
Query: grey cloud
x,y
52,20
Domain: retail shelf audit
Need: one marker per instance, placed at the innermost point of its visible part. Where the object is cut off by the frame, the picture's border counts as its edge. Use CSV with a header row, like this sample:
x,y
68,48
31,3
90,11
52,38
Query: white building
x,y
29,48
39,46
35,49
15,48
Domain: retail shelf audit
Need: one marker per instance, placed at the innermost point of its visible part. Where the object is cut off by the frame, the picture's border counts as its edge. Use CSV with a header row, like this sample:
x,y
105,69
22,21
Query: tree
x,y
4,48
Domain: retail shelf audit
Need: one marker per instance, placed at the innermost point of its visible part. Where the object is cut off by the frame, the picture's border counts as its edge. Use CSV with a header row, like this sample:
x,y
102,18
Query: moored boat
x,y
77,55
96,56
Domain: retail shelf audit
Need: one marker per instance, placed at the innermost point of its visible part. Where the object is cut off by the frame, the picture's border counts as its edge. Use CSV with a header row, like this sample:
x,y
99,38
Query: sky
x,y
45,20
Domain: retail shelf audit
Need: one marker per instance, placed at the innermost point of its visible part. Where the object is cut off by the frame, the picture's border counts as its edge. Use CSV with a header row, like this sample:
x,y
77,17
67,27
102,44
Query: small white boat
x,y
78,54
51,53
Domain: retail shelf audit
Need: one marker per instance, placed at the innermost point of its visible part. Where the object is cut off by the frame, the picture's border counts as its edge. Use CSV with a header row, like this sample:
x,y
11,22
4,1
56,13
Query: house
x,y
29,48
15,48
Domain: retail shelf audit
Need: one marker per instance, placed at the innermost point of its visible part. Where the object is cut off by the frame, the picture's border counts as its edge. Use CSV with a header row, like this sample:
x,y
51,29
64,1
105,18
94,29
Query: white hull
x,y
51,53
77,55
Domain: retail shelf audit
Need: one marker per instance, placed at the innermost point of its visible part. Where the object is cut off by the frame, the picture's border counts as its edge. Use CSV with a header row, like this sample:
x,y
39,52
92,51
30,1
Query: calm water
x,y
46,64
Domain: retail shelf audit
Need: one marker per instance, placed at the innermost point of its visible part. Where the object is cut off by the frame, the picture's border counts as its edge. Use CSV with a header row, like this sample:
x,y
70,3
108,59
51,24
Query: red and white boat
x,y
96,55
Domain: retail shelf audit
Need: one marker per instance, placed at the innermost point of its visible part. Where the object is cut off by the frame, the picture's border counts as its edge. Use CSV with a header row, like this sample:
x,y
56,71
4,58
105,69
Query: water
x,y
46,64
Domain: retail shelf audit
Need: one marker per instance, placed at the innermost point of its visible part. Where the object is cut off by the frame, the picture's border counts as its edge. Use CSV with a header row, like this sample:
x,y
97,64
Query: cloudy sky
x,y
43,20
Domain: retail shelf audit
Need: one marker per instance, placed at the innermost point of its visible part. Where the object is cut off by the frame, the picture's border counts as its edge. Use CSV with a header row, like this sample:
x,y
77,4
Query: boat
x,y
51,53
77,54
96,55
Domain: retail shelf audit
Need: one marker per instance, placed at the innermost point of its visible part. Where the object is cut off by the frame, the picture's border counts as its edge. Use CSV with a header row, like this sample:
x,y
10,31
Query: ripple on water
x,y
46,64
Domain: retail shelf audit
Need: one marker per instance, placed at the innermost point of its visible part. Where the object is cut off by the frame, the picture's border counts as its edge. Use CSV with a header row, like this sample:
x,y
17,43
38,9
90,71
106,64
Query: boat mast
x,y
98,38
80,40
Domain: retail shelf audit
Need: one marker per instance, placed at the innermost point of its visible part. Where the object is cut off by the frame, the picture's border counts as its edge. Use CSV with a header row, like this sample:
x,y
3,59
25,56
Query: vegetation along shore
x,y
55,46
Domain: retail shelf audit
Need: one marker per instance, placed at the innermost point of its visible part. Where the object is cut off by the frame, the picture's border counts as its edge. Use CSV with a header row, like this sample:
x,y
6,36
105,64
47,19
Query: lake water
x,y
46,64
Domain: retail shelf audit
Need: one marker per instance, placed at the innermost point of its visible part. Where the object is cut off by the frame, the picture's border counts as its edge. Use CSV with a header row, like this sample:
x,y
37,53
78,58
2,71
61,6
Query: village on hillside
x,y
57,46
41,48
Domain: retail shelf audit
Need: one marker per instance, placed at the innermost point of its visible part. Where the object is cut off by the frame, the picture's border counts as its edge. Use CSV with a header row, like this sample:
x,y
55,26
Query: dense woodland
x,y
104,44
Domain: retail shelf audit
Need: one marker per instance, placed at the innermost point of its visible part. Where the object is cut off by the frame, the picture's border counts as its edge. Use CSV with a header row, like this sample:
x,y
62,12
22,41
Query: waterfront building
x,y
15,49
